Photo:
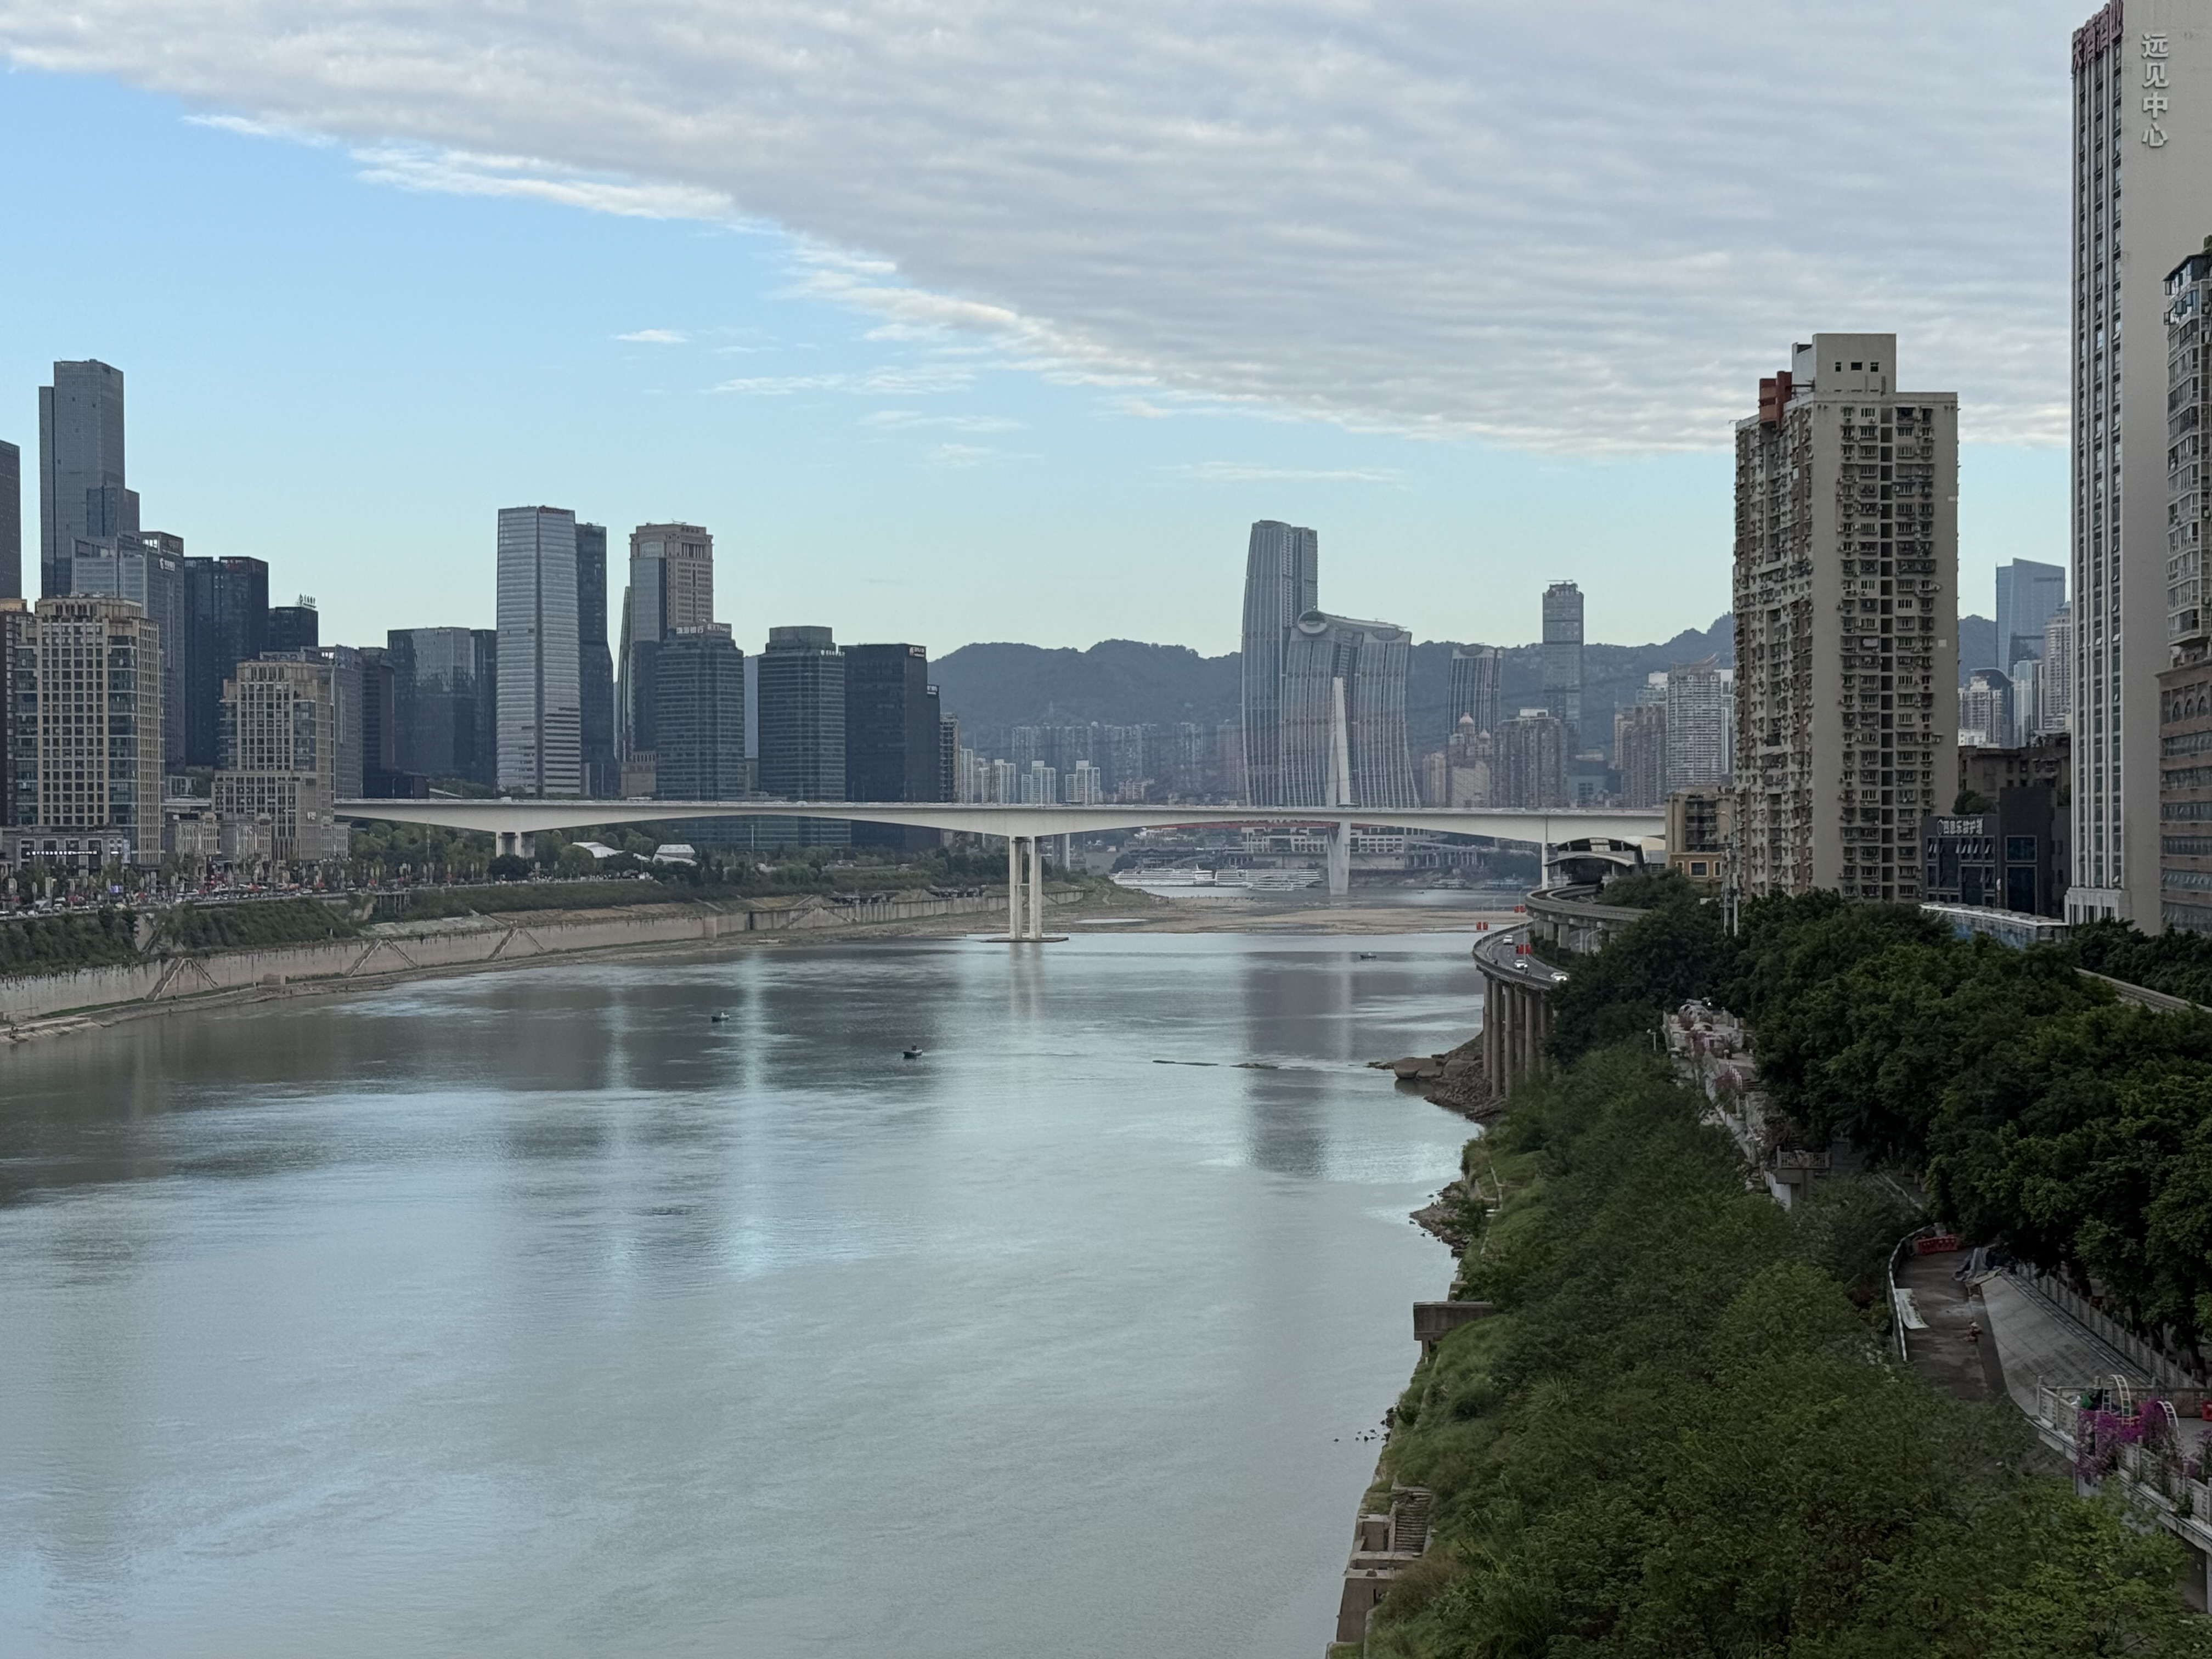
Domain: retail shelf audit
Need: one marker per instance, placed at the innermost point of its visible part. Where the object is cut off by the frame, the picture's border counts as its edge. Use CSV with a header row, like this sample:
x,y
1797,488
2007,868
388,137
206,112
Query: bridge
x,y
1025,829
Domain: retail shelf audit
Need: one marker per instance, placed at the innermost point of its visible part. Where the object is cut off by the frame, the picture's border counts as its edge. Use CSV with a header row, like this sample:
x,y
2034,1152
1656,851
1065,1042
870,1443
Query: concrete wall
x,y
160,979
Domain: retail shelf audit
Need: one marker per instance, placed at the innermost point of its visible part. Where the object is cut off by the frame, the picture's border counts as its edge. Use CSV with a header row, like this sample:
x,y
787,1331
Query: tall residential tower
x,y
2143,117
1846,621
1563,659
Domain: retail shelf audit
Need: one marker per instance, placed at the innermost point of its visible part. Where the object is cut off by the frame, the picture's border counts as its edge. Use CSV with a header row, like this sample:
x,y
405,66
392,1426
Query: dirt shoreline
x,y
1127,912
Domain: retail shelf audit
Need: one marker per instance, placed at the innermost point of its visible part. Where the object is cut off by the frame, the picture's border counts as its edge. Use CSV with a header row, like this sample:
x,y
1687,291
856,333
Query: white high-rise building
x,y
2055,693
1846,621
2142,117
1700,699
541,727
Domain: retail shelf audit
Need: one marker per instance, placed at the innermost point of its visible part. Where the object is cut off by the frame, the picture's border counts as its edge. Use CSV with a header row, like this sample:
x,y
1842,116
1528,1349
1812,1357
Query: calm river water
x,y
535,1314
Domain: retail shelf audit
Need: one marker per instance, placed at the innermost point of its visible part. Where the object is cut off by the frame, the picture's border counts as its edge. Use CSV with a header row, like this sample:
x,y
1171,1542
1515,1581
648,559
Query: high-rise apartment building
x,y
2184,684
1282,583
892,744
230,604
19,713
282,745
1474,671
1563,658
1528,760
702,753
540,694
82,493
801,680
671,586
1847,619
2056,691
1985,710
1639,753
149,571
11,522
98,752
2027,593
595,664
1342,719
2142,117
1700,701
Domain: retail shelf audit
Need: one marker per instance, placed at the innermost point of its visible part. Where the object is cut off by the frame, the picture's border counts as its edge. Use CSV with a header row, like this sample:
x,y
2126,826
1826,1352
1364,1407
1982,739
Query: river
x,y
536,1313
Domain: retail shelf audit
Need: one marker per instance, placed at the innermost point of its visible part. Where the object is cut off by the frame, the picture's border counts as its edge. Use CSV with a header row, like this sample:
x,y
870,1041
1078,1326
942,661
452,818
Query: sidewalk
x,y
1942,1353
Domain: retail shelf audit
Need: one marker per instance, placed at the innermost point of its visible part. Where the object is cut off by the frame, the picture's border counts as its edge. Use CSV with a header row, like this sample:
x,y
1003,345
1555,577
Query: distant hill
x,y
994,687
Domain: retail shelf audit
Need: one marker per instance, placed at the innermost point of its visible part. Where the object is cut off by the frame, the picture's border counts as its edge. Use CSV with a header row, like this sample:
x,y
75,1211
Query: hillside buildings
x,y
1846,616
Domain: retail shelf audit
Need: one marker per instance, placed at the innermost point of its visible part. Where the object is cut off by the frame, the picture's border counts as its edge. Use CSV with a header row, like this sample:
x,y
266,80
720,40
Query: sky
x,y
972,319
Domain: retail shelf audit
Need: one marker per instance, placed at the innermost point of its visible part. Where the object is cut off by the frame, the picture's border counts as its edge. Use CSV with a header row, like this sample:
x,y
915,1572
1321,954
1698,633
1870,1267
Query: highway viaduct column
x,y
1017,847
1035,933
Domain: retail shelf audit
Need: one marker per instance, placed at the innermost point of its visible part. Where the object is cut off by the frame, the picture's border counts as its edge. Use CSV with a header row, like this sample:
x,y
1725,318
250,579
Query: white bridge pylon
x,y
1025,827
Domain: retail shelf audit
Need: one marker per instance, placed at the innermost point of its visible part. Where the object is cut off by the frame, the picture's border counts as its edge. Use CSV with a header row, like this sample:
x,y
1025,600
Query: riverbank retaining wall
x,y
472,941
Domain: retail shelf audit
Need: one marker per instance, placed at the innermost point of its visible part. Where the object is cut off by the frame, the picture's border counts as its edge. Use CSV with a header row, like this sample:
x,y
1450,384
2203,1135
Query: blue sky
x,y
348,375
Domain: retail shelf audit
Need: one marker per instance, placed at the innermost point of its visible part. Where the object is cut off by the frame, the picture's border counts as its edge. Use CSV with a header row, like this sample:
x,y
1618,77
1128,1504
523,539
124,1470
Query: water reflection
x,y
538,1314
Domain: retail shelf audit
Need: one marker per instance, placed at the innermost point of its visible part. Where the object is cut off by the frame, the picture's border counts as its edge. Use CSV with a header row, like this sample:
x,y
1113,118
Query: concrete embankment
x,y
35,1005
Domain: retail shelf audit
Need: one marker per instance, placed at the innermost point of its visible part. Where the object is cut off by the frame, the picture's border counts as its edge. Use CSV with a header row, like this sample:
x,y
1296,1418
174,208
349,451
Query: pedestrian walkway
x,y
1944,1352
2039,1343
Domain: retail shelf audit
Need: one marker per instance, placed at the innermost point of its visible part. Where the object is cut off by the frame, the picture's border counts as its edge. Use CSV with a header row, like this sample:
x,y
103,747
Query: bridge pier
x,y
1025,893
1339,859
515,843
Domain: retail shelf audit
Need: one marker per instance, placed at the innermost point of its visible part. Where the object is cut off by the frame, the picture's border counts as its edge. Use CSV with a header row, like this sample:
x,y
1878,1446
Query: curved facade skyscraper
x,y
1281,584
1342,715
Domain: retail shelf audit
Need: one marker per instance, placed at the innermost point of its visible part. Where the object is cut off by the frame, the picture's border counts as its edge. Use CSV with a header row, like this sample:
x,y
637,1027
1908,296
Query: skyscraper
x,y
540,713
229,608
701,755
11,522
1281,584
1846,612
294,627
671,586
2027,593
595,664
1474,688
1563,659
1700,699
801,675
1342,722
19,713
2142,96
892,738
80,487
442,692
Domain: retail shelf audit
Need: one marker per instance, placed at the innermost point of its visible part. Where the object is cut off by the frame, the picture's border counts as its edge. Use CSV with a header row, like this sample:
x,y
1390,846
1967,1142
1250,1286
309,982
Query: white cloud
x,y
902,419
960,455
892,380
654,337
1250,473
1583,231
